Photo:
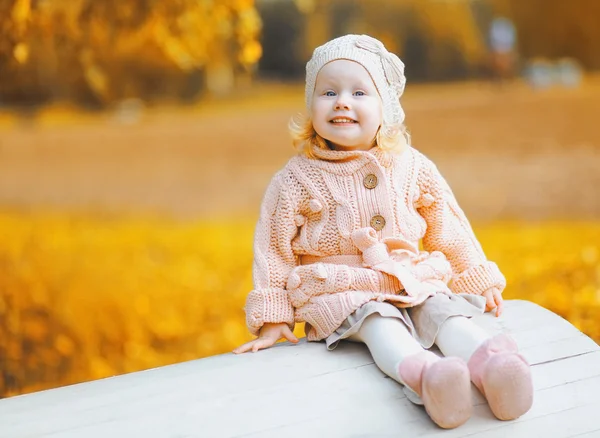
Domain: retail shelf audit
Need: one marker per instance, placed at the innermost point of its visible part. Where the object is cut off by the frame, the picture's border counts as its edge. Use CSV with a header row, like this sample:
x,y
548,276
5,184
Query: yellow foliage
x,y
20,12
85,297
454,22
110,48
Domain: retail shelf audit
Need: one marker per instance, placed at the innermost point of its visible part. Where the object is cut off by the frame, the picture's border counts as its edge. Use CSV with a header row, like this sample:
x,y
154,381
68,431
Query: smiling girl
x,y
337,246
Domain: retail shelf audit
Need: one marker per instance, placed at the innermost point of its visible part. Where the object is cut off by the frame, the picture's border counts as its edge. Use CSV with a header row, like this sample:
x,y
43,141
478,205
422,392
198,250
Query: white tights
x,y
389,341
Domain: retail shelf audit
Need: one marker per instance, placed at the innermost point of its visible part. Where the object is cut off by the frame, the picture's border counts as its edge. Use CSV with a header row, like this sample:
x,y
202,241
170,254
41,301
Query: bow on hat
x,y
393,67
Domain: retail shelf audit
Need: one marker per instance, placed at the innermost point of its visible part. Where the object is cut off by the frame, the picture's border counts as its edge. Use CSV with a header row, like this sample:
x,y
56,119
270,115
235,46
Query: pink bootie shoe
x,y
503,377
443,385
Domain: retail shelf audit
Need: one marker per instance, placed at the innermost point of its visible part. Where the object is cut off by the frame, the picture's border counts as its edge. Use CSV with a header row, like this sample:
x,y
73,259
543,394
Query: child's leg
x,y
499,372
442,384
459,336
389,342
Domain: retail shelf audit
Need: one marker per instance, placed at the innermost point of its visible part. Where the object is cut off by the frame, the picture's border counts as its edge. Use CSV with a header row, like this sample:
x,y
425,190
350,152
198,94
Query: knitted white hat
x,y
385,68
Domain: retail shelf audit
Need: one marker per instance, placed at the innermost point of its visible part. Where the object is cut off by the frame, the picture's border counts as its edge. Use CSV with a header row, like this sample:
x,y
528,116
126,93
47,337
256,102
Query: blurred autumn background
x,y
137,138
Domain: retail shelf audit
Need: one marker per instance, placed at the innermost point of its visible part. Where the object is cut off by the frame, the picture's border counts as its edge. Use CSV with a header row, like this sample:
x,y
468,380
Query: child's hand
x,y
269,334
494,300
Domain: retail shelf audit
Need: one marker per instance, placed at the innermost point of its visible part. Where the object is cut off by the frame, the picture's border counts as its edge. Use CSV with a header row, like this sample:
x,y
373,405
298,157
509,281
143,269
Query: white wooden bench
x,y
304,390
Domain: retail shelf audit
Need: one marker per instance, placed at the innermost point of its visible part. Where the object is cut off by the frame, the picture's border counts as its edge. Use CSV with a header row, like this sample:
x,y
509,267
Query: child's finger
x,y
261,343
499,306
244,348
289,335
489,302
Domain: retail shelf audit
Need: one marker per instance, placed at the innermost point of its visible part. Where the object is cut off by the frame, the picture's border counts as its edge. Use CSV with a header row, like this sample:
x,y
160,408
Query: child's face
x,y
346,107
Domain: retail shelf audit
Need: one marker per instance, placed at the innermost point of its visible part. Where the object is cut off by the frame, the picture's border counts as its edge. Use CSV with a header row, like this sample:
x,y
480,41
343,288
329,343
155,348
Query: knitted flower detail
x,y
432,266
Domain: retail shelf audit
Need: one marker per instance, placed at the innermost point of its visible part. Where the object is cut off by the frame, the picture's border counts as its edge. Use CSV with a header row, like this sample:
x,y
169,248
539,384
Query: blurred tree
x,y
556,29
437,39
282,35
99,52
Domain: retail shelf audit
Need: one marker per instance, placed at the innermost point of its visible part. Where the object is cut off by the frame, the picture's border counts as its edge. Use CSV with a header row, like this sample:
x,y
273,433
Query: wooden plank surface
x,y
302,390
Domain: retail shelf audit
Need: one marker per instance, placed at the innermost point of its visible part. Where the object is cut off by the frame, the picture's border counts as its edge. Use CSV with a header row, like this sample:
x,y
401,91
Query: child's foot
x,y
503,377
443,385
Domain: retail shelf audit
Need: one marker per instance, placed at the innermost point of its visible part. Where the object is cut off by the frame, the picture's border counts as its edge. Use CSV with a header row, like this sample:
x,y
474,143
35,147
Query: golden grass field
x,y
127,244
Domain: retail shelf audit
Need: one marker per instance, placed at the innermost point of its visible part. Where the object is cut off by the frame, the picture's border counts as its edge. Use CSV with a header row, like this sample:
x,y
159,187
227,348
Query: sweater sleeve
x,y
449,231
273,258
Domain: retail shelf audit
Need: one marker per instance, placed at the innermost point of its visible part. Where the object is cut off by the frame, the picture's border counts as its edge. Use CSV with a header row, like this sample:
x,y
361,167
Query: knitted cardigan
x,y
314,206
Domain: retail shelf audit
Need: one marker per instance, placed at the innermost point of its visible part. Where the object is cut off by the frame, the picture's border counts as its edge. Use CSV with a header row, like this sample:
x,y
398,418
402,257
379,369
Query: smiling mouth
x,y
342,121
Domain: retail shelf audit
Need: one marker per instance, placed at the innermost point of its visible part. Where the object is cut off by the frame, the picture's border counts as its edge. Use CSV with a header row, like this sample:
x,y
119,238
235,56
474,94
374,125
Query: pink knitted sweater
x,y
344,208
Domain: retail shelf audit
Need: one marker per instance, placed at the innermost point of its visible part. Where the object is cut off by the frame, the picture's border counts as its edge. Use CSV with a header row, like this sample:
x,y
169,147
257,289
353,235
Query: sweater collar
x,y
347,162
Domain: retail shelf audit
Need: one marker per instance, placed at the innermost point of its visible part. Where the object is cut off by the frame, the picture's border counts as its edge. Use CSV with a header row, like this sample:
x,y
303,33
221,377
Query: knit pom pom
x,y
315,205
293,281
425,200
364,238
428,199
320,271
299,220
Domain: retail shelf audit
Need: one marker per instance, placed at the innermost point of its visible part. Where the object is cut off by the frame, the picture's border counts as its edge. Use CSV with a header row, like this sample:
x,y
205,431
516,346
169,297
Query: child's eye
x,y
329,93
359,93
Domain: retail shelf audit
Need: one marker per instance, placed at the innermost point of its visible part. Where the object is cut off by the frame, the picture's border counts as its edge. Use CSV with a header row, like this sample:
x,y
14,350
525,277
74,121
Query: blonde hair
x,y
304,136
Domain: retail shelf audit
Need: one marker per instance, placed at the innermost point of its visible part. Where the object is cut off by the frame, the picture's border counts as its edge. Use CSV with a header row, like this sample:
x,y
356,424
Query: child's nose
x,y
342,103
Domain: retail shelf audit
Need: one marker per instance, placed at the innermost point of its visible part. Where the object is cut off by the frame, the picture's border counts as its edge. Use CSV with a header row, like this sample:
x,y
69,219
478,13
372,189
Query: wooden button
x,y
378,222
370,181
